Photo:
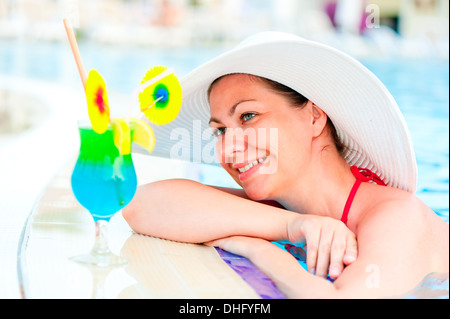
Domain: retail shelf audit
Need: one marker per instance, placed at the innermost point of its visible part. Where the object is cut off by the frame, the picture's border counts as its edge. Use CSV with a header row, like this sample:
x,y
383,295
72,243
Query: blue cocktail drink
x,y
103,181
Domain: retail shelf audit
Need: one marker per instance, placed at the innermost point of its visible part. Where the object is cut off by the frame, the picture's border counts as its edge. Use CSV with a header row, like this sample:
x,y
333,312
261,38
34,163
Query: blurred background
x,y
404,42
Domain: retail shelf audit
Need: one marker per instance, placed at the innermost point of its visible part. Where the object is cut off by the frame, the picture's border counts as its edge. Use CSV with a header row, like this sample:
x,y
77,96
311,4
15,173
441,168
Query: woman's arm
x,y
360,280
241,193
280,266
187,211
392,258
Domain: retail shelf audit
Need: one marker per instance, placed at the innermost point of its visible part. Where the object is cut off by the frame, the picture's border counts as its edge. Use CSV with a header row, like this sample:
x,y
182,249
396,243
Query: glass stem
x,y
101,243
99,278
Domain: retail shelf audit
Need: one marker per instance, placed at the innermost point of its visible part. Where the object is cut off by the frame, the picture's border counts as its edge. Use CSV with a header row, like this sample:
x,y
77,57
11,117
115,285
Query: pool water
x,y
421,89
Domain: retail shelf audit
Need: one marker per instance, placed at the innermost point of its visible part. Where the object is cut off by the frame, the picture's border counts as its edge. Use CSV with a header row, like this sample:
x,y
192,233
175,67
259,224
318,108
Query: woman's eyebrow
x,y
212,119
231,111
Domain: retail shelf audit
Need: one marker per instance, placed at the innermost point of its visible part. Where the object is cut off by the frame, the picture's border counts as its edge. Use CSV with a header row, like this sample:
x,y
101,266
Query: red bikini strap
x,y
366,175
362,175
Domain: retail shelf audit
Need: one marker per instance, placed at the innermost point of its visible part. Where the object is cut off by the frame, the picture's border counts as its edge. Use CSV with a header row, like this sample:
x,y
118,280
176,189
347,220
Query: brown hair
x,y
296,99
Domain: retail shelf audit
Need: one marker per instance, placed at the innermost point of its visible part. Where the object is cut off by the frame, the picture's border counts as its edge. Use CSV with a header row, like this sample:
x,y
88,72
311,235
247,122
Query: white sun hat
x,y
366,116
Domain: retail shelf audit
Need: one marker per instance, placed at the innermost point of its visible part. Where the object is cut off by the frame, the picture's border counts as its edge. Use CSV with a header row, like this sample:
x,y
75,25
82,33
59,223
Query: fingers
x,y
351,251
324,252
331,247
311,255
338,248
319,251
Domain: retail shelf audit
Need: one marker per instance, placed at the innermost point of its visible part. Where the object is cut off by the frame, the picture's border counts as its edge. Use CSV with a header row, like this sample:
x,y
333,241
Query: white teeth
x,y
248,166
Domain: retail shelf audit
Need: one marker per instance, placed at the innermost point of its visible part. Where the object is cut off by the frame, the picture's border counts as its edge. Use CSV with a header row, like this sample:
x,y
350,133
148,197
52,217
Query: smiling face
x,y
263,141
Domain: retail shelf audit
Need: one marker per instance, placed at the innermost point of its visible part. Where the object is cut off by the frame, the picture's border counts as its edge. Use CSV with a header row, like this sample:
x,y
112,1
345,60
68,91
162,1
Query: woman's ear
x,y
319,120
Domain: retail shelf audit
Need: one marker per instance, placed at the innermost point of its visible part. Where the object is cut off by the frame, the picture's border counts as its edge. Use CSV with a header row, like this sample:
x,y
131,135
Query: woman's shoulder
x,y
400,220
394,207
399,202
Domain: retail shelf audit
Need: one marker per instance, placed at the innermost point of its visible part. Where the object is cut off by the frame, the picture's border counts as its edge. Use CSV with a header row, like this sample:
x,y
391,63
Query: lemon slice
x,y
122,135
142,134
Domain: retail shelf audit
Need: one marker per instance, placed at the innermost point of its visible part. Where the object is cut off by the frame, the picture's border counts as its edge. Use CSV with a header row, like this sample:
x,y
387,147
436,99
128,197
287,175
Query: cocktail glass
x,y
103,182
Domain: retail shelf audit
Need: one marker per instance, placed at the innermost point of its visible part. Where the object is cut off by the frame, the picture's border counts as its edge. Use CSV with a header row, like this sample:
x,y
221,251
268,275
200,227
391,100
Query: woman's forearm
x,y
289,277
188,211
280,266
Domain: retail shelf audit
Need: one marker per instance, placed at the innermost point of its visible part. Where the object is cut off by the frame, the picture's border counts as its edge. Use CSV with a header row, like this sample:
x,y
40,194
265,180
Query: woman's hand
x,y
240,245
330,244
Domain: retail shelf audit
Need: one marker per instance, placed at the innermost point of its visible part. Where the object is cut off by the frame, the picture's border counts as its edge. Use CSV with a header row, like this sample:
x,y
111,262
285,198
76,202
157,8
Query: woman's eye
x,y
247,116
219,131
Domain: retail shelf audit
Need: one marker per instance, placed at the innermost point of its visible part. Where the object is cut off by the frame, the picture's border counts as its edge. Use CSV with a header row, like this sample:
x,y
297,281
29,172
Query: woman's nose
x,y
233,146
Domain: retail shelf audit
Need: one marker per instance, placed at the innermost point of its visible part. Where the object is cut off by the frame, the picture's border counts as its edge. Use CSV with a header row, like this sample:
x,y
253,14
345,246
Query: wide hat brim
x,y
365,114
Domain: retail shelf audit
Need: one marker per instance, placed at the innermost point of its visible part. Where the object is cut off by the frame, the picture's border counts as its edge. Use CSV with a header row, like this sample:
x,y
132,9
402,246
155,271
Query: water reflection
x,y
99,275
433,286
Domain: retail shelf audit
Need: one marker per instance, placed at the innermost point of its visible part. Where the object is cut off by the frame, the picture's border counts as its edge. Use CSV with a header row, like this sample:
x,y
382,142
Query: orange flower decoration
x,y
97,101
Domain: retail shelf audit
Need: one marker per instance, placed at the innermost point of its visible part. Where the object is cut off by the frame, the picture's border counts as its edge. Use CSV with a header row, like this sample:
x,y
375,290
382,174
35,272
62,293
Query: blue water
x,y
421,88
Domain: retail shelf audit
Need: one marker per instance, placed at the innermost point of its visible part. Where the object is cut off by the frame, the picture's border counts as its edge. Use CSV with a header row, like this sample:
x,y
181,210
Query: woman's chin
x,y
256,193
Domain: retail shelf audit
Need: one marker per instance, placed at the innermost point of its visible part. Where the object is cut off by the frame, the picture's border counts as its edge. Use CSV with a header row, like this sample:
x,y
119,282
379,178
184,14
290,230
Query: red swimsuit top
x,y
362,175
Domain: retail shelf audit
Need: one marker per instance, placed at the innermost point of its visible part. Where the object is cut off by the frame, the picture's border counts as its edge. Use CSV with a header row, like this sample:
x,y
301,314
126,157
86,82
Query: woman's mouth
x,y
248,166
249,169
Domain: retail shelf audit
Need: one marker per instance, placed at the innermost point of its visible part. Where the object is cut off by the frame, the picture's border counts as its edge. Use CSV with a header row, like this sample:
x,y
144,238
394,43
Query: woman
x,y
302,128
